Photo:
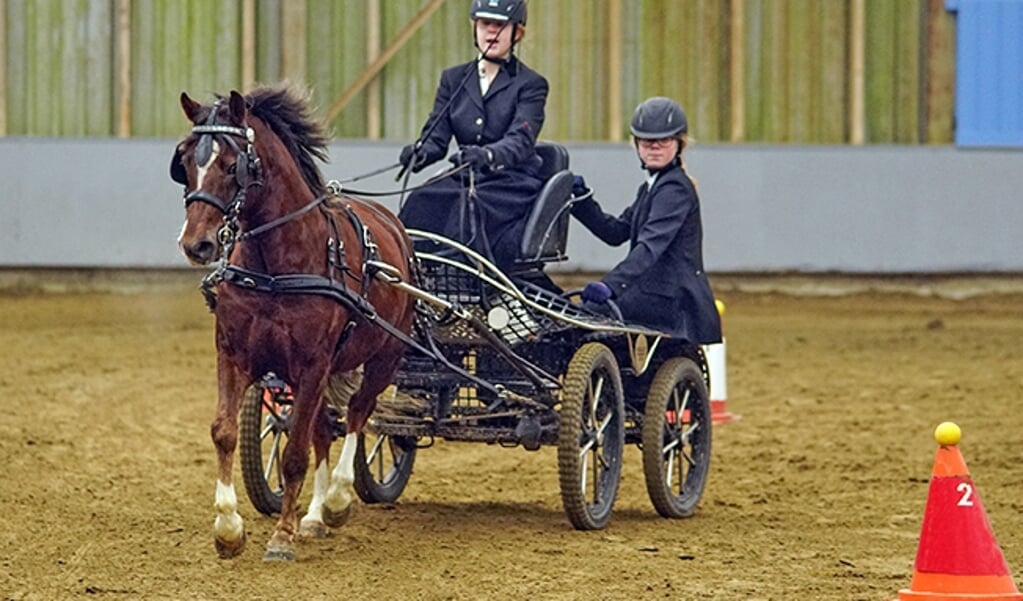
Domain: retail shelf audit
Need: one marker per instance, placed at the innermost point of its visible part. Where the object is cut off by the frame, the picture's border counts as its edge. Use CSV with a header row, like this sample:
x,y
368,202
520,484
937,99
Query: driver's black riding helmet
x,y
511,11
659,117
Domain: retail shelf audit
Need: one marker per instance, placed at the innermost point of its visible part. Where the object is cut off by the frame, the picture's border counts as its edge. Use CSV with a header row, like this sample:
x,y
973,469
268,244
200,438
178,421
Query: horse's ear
x,y
238,109
190,107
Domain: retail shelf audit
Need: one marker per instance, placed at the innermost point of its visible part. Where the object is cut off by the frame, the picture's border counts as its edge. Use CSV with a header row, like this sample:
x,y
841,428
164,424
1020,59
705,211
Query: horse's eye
x,y
232,168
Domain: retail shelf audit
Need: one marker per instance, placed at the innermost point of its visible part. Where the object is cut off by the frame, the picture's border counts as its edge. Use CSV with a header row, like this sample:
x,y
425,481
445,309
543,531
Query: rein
x,y
432,180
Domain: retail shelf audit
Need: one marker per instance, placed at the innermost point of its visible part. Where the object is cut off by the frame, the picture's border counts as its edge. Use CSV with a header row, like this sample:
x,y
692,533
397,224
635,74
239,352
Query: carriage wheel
x,y
383,465
676,438
263,432
591,437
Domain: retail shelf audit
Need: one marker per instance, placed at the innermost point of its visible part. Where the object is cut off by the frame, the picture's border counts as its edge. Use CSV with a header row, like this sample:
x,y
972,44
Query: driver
x,y
661,282
493,107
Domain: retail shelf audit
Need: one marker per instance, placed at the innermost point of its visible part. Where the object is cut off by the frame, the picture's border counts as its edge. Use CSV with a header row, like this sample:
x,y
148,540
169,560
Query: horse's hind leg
x,y
228,527
378,373
336,504
339,390
307,424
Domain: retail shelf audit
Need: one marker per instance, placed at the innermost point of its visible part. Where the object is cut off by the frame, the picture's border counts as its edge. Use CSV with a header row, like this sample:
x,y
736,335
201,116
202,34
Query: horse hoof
x,y
229,549
314,530
279,553
336,519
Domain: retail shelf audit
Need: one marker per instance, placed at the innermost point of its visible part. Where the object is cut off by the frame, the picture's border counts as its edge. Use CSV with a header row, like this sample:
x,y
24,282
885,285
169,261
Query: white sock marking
x,y
228,524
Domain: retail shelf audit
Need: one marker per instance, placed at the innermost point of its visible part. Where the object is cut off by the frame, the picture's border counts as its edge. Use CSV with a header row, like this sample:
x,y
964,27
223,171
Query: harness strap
x,y
283,219
319,285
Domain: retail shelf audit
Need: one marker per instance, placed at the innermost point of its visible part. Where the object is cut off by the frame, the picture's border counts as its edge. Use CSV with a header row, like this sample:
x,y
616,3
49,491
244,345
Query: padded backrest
x,y
555,159
546,233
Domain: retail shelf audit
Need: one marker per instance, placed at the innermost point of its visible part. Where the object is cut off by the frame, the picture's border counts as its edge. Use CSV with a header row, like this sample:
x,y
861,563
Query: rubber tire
x,y
265,497
400,456
666,423
590,509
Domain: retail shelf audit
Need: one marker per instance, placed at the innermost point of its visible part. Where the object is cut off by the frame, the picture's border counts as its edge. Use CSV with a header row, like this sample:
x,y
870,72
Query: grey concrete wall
x,y
110,203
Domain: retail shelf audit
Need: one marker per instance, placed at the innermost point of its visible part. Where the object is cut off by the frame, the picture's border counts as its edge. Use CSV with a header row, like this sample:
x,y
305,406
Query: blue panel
x,y
989,72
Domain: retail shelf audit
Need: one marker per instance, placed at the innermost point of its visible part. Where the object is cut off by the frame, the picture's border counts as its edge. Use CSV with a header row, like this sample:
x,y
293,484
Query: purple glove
x,y
477,156
596,292
579,187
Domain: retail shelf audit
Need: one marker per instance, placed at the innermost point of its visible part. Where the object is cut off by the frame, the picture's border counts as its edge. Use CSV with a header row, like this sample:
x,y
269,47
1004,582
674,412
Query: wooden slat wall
x,y
164,63
939,74
59,68
60,72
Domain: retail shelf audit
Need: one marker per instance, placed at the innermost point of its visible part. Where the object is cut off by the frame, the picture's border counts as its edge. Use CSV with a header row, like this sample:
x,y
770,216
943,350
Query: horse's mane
x,y
288,114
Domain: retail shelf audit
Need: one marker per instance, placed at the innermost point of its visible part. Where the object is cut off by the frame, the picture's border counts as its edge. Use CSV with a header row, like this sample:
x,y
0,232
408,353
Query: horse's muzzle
x,y
200,252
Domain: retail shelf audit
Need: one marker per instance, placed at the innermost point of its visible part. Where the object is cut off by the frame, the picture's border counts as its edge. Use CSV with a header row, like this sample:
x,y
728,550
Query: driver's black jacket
x,y
506,121
661,283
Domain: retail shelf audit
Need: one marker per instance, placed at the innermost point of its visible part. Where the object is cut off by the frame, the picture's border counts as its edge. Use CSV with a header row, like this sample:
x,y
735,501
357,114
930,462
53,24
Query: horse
x,y
295,294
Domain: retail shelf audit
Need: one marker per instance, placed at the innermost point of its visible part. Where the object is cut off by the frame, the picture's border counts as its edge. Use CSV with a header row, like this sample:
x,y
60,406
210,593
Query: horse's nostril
x,y
202,253
206,250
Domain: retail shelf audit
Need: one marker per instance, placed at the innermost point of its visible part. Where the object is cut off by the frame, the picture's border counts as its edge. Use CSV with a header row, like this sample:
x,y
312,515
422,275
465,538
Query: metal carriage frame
x,y
496,358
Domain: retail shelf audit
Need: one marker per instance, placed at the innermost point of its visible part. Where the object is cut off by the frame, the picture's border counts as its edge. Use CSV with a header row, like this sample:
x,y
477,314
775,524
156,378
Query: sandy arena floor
x,y
817,493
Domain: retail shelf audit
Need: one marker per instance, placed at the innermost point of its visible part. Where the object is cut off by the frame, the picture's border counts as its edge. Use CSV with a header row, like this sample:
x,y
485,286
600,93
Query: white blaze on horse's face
x,y
201,171
201,175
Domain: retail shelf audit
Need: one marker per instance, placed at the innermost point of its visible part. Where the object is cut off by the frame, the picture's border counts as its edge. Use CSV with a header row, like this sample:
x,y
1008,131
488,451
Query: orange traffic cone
x,y
958,558
717,365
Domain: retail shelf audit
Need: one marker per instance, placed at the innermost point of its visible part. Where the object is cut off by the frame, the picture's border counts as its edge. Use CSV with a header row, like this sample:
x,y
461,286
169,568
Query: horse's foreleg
x,y
228,527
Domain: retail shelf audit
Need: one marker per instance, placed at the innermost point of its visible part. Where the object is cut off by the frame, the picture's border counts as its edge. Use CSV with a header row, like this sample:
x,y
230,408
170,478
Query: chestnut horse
x,y
295,295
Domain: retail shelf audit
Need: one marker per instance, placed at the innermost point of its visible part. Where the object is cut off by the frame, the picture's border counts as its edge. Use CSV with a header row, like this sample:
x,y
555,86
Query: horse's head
x,y
217,164
265,144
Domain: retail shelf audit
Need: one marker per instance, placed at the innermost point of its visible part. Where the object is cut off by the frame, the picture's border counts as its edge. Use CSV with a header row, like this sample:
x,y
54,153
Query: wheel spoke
x,y
684,403
271,460
604,423
670,468
375,451
584,472
688,433
671,446
598,391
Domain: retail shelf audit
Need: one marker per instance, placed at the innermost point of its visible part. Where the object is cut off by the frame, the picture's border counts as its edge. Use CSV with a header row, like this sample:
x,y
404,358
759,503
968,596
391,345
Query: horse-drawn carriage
x,y
488,355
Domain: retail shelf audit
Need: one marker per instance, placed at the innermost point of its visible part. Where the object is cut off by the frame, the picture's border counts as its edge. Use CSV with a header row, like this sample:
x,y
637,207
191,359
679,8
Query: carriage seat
x,y
546,232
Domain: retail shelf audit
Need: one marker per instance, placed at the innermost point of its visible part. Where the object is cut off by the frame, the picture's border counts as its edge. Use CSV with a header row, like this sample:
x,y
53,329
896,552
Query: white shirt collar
x,y
484,80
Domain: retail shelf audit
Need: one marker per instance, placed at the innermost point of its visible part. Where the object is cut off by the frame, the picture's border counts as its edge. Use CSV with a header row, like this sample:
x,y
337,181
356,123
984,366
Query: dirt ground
x,y
817,493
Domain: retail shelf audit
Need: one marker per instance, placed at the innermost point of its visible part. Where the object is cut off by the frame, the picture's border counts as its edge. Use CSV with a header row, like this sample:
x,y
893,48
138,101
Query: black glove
x,y
477,157
579,186
413,158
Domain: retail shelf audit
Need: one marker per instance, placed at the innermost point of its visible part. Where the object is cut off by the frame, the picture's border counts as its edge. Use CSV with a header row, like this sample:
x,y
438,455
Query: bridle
x,y
247,172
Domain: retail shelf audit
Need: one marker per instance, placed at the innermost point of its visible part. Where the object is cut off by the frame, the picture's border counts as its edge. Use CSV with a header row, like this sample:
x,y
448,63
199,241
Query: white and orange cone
x,y
717,364
958,558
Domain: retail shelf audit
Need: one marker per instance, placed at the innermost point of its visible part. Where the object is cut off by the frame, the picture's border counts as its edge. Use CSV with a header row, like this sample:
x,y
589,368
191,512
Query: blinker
x,y
177,169
241,173
203,150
